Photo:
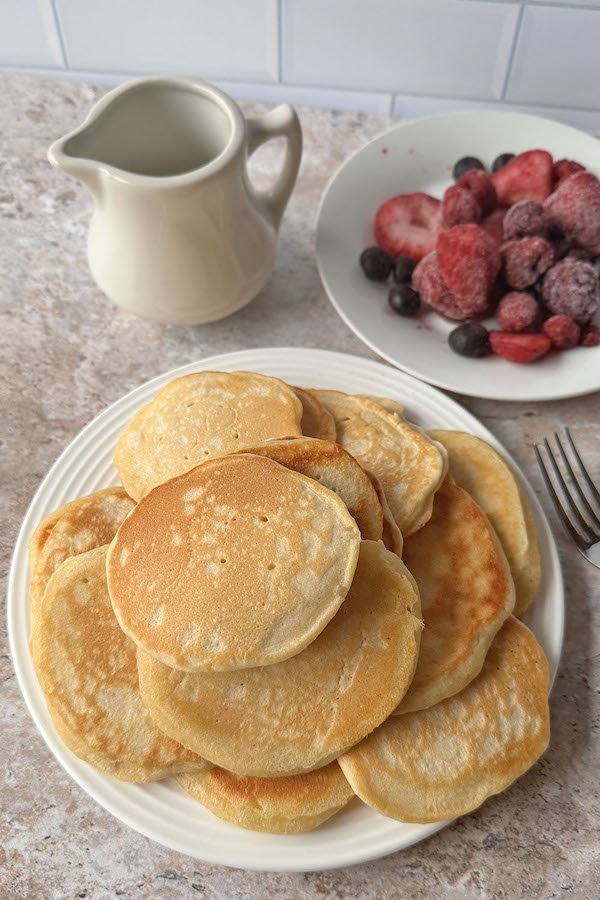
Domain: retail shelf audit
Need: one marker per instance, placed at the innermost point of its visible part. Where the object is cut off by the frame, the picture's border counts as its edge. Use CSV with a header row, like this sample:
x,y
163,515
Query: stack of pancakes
x,y
296,597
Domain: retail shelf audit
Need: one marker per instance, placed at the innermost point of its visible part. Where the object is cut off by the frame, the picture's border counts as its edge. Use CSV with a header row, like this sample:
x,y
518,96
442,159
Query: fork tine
x,y
594,525
568,525
584,472
570,502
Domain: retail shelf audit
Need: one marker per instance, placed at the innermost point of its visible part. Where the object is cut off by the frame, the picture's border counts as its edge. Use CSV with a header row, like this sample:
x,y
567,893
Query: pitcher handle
x,y
280,122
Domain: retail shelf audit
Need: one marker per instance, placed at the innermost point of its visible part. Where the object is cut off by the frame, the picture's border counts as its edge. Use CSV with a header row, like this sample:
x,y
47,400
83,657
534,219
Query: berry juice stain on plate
x,y
512,242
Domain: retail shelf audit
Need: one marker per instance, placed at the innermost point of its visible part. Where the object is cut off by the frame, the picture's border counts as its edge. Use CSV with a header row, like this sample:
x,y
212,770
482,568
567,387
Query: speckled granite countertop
x,y
66,353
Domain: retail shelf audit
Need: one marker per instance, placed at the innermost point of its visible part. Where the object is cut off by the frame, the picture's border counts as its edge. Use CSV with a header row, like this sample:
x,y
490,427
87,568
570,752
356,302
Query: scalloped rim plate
x,y
418,156
162,811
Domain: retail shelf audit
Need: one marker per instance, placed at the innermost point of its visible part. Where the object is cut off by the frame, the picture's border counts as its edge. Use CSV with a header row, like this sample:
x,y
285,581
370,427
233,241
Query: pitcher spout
x,y
64,154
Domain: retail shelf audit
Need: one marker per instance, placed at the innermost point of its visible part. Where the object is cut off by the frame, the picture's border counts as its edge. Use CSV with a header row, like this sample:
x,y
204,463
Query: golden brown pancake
x,y
444,761
316,421
484,474
334,468
391,535
288,805
238,563
392,406
76,527
409,465
300,714
87,670
200,417
466,594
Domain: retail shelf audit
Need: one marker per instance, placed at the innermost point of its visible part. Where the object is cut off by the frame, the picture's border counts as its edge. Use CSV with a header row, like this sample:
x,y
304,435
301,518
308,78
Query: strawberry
x,y
408,225
459,206
468,262
519,348
494,225
526,177
481,186
428,282
563,168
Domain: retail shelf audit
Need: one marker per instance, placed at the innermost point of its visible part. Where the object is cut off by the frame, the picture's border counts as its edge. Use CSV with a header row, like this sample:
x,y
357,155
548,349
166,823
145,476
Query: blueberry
x,y
403,269
376,263
470,339
502,160
404,300
465,164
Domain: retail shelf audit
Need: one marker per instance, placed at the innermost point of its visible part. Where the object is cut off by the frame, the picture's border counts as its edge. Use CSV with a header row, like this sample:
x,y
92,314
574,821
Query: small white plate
x,y
162,811
419,156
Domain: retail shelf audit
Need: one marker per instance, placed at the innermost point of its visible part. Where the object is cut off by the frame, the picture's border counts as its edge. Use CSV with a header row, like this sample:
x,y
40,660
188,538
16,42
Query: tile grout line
x,y
279,41
513,51
61,40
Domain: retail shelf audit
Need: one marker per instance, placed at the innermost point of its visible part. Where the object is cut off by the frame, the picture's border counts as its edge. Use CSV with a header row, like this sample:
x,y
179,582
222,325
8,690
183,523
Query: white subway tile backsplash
x,y
28,34
322,98
557,57
451,47
224,38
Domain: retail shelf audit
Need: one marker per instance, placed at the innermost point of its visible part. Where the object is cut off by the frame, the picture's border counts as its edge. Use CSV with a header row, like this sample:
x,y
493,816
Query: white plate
x,y
419,156
162,811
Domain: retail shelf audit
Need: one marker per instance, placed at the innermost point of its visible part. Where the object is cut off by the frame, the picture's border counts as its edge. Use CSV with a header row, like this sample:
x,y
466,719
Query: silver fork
x,y
580,511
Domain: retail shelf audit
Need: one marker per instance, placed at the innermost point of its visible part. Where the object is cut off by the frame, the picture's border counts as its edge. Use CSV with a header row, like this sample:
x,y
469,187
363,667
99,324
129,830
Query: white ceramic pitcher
x,y
179,234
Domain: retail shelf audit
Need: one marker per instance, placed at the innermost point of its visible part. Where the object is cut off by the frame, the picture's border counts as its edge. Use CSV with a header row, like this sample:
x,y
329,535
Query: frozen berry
x,y
517,311
403,269
571,288
469,263
465,164
565,167
407,225
376,263
494,226
574,210
404,300
590,336
526,177
470,339
502,160
562,331
429,283
519,348
580,253
459,207
525,260
481,186
524,219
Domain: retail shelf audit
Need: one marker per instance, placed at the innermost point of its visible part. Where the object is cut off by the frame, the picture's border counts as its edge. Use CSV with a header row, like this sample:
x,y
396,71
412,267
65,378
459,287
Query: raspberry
x,y
574,210
565,167
482,187
428,282
459,206
468,262
517,311
525,260
493,225
562,331
590,336
570,288
524,219
520,348
579,253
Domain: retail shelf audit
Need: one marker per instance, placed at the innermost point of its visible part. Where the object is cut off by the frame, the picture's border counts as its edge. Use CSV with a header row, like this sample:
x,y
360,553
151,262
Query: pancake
x,y
316,421
391,534
484,474
300,714
238,563
76,527
391,406
87,670
443,762
334,468
466,594
288,805
409,465
199,417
